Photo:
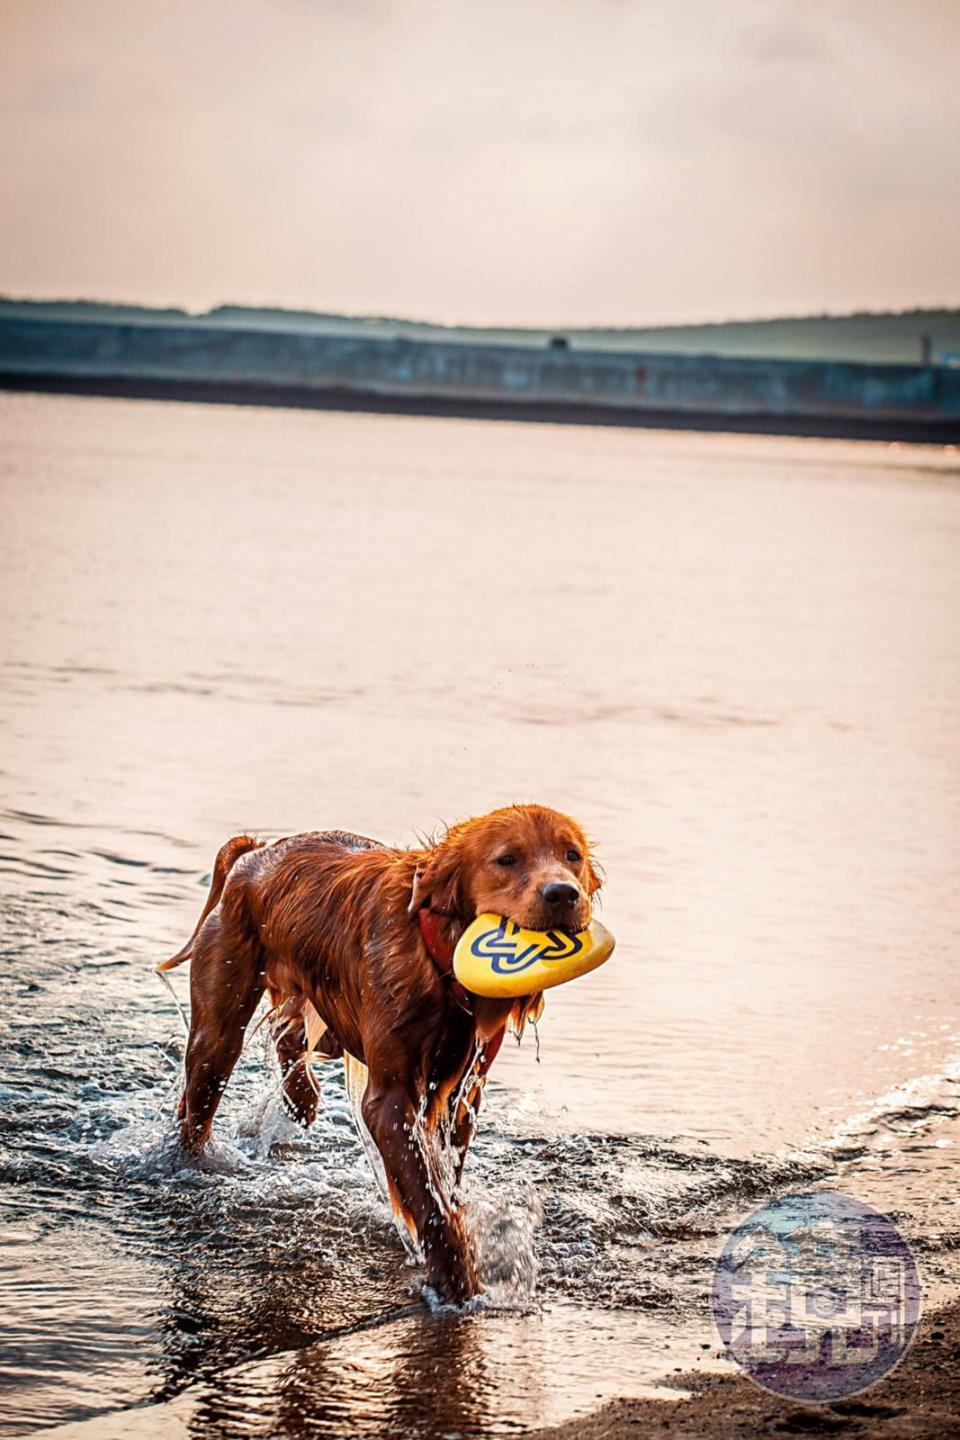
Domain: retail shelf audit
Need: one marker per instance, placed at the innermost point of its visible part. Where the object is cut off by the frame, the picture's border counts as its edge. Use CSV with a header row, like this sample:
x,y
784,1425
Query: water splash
x,y
503,1232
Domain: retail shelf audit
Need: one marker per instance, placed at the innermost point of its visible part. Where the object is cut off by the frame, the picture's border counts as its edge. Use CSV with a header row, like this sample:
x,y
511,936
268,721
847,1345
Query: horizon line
x,y
372,317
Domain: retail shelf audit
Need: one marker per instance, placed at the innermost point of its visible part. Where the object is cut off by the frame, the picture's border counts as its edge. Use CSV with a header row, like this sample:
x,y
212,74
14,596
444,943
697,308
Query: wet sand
x,y
920,1398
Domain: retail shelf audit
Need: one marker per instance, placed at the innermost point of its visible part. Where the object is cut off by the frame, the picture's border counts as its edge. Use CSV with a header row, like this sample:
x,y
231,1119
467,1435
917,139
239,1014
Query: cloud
x,y
520,160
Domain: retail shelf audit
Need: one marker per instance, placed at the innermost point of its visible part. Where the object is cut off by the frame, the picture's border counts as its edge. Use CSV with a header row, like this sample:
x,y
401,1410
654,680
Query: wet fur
x,y
327,925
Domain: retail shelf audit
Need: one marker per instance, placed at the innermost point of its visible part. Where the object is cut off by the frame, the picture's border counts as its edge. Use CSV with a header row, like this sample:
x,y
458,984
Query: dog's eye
x,y
574,856
506,860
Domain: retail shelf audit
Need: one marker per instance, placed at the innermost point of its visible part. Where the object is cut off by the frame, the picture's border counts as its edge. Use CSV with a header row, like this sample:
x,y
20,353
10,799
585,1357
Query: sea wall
x,y
281,366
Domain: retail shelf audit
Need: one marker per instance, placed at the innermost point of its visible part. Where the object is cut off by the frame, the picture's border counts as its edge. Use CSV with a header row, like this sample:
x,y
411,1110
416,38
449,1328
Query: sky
x,y
555,162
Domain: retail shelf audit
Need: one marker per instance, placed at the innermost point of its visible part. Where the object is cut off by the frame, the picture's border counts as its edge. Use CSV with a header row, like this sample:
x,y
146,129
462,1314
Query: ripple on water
x,y
173,1277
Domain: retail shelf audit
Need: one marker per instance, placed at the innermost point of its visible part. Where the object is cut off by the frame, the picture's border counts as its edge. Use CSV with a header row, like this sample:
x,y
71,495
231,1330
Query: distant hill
x,y
893,337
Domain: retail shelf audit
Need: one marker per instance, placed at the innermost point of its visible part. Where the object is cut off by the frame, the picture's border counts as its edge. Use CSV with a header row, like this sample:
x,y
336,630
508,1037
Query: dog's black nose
x,y
558,892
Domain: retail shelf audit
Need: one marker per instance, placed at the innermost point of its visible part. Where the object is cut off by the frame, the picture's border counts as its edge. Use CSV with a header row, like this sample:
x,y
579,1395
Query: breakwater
x,y
201,361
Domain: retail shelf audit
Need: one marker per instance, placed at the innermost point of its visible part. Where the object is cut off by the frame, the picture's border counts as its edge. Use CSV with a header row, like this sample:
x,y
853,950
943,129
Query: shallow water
x,y
733,658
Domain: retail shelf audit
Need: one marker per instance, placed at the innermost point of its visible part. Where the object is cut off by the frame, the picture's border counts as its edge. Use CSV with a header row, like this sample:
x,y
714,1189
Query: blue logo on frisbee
x,y
503,947
816,1296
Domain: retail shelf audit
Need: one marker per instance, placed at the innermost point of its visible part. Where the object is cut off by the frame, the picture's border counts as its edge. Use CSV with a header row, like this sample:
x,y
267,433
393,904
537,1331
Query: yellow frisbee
x,y
495,957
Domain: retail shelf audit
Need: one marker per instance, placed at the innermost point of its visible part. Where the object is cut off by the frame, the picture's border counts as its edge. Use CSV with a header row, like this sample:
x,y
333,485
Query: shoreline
x,y
918,1400
301,397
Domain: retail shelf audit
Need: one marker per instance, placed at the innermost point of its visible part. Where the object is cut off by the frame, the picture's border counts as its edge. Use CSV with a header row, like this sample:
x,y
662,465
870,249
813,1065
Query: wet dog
x,y
352,941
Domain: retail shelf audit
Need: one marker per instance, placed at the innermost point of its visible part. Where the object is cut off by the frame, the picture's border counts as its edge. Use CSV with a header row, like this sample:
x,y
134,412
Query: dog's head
x,y
528,863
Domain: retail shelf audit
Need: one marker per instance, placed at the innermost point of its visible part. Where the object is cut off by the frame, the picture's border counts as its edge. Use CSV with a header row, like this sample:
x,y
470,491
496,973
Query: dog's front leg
x,y
467,1098
390,1113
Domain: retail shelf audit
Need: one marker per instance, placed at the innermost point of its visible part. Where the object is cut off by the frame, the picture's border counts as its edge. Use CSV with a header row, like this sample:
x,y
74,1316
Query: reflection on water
x,y
733,658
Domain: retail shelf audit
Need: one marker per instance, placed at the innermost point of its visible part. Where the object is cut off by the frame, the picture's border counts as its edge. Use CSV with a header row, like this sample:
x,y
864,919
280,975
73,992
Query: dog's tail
x,y
227,855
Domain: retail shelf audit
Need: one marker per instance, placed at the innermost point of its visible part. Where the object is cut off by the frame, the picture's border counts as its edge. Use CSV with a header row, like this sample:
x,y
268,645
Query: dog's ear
x,y
419,894
437,881
594,875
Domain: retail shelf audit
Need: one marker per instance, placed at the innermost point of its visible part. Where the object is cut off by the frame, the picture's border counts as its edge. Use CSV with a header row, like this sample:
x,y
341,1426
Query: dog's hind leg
x,y
226,983
298,1035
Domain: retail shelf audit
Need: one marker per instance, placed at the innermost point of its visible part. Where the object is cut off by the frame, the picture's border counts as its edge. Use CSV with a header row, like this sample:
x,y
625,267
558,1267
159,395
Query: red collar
x,y
438,946
441,953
